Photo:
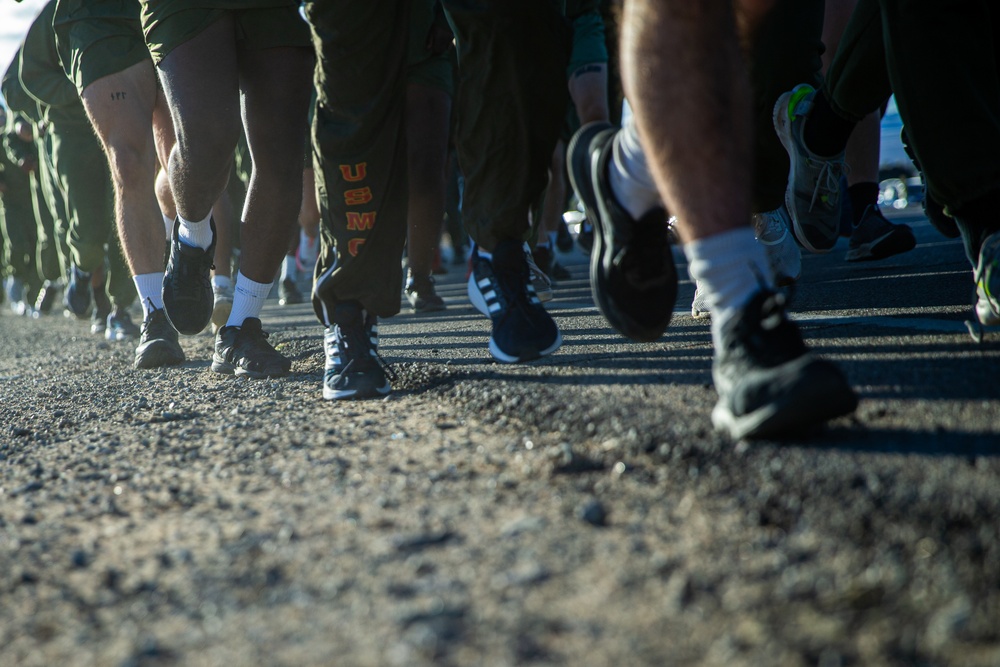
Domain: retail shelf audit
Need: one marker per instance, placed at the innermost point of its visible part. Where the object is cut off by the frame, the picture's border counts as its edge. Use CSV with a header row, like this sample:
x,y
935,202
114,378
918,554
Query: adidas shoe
x,y
187,285
120,327
878,238
244,351
769,383
354,368
772,230
158,344
813,195
501,288
632,273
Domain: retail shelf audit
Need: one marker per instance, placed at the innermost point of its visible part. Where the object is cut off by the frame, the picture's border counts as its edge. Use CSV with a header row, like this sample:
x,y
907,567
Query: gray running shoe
x,y
243,350
878,238
769,383
772,230
813,192
987,275
158,344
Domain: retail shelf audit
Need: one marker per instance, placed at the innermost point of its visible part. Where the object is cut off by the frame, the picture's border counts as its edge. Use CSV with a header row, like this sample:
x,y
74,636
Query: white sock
x,y
197,234
150,289
168,225
221,282
288,268
730,267
248,299
628,172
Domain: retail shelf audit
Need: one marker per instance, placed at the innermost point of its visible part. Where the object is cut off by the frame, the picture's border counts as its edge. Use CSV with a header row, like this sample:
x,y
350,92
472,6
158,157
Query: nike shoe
x,y
875,237
813,194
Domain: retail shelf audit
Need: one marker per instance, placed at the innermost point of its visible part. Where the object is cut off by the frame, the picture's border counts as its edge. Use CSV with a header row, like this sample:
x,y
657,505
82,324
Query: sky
x,y
15,17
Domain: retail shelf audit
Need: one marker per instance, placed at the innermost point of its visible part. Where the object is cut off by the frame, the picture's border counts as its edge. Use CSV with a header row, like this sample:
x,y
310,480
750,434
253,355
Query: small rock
x,y
593,512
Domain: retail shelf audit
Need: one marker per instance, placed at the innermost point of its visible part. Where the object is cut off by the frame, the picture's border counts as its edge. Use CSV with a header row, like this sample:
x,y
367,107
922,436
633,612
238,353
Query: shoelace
x,y
828,181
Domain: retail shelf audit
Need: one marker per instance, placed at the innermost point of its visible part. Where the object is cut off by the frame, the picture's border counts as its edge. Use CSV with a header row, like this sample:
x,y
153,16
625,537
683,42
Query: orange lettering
x,y
360,222
358,197
358,172
354,245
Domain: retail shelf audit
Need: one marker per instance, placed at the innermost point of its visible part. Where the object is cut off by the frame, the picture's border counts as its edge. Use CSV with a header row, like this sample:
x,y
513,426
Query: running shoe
x,y
14,290
813,194
288,293
222,305
699,304
120,326
422,296
158,344
878,238
502,289
632,272
987,276
540,280
102,311
772,230
47,296
78,293
187,284
354,368
244,351
546,260
769,383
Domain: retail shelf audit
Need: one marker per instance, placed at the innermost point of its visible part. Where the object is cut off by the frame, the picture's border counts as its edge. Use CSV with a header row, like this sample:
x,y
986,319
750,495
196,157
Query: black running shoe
x,y
78,293
875,237
632,272
288,293
187,284
522,329
422,296
769,383
353,366
158,344
244,350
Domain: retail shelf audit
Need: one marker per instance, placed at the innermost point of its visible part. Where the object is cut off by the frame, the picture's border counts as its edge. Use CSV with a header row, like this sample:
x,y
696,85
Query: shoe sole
x,y
355,394
580,178
783,128
158,356
225,368
526,354
894,242
811,404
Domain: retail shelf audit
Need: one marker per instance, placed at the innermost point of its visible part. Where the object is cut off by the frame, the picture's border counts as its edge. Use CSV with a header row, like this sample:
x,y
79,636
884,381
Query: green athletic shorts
x,y
96,38
260,24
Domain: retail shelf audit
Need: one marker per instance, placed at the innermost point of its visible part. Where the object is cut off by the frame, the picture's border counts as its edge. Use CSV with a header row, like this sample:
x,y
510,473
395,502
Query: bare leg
x,y
123,124
274,196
